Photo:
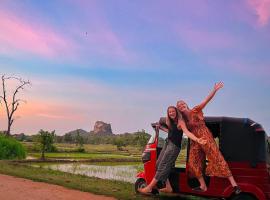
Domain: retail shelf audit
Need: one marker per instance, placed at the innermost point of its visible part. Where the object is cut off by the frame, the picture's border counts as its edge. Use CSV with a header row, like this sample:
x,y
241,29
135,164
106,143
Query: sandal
x,y
237,190
144,193
198,189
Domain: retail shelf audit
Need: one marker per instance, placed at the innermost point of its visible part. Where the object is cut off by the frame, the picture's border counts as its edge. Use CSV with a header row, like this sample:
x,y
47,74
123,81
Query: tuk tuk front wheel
x,y
140,183
243,197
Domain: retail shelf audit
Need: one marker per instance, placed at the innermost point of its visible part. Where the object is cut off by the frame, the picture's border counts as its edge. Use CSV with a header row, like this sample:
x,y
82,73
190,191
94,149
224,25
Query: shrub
x,y
10,148
80,150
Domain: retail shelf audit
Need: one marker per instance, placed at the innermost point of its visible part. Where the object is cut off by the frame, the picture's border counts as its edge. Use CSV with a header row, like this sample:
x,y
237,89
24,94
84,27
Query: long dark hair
x,y
170,121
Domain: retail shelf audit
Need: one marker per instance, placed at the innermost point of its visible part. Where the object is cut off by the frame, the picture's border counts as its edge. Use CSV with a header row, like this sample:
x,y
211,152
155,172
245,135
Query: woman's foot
x,y
237,190
200,189
166,190
145,191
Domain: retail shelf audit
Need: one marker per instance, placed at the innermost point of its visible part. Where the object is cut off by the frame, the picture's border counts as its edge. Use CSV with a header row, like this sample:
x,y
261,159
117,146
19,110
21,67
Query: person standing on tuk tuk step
x,y
174,125
217,165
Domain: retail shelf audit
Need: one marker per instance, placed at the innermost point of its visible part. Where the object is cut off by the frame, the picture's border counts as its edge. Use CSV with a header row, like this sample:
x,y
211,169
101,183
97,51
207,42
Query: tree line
x,y
139,138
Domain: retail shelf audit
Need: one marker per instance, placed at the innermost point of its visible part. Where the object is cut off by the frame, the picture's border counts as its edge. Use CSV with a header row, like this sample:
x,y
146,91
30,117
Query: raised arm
x,y
217,86
182,125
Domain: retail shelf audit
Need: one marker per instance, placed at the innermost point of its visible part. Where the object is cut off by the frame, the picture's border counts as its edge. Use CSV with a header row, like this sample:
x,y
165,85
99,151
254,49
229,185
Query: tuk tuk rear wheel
x,y
140,183
243,197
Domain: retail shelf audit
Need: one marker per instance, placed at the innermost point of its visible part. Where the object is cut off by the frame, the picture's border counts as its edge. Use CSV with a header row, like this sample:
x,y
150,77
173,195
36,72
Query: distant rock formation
x,y
102,128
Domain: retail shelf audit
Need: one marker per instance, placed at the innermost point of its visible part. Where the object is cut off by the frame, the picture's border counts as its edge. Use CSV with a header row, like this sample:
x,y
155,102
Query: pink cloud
x,y
19,36
262,9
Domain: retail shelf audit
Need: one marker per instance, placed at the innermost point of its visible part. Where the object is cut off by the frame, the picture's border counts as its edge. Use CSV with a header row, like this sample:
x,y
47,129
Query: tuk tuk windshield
x,y
152,138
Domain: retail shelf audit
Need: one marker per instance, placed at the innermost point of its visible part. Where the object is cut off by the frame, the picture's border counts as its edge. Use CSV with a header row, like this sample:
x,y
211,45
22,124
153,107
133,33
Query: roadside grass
x,y
117,189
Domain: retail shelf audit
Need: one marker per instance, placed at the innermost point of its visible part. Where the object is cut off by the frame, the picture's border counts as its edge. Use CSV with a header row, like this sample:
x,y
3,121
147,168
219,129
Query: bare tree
x,y
13,103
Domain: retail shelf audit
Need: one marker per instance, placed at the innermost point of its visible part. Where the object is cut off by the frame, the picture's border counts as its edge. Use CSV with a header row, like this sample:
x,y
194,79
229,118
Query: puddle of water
x,y
126,173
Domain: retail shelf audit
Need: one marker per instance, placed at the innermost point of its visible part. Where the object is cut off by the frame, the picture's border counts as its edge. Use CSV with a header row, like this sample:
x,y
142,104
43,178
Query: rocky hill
x,y
81,132
102,128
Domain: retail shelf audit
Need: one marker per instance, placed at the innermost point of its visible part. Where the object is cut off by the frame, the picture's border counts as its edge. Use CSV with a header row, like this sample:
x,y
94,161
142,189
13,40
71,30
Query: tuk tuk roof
x,y
240,139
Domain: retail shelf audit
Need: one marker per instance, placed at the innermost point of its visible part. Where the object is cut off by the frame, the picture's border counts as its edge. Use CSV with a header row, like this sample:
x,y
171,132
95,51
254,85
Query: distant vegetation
x,y
80,141
77,143
10,148
81,137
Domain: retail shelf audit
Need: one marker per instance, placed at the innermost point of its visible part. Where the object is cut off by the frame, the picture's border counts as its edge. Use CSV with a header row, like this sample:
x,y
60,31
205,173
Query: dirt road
x,y
12,188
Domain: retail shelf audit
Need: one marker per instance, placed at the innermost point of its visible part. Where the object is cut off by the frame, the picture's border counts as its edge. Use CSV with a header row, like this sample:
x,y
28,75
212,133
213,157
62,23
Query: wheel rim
x,y
142,185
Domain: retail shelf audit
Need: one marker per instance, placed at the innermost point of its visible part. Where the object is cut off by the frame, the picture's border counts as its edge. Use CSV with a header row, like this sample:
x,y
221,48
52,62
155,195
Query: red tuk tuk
x,y
244,145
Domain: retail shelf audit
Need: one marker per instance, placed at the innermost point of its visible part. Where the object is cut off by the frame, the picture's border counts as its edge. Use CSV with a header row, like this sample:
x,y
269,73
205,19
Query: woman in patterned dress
x,y
217,165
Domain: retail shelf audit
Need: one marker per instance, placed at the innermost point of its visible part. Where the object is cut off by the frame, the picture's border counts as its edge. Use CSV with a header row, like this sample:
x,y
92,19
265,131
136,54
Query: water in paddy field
x,y
126,173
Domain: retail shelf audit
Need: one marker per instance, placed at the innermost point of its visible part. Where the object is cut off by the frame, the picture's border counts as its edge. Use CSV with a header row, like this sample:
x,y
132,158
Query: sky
x,y
125,62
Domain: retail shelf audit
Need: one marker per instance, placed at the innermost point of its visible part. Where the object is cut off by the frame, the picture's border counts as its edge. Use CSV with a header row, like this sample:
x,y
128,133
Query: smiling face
x,y
181,106
172,113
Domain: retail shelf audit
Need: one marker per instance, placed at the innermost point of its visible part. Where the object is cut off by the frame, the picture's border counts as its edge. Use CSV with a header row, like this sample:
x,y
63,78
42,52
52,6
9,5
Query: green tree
x,y
79,141
141,139
46,140
119,142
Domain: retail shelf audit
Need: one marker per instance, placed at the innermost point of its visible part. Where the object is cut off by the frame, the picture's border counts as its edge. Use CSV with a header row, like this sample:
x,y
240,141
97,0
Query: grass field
x,y
89,148
81,155
97,153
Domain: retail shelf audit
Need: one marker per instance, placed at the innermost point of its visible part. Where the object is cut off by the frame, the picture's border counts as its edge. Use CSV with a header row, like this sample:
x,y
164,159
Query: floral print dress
x,y
217,166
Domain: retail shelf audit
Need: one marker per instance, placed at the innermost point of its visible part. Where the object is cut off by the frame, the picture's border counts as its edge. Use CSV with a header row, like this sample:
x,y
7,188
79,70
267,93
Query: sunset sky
x,y
124,62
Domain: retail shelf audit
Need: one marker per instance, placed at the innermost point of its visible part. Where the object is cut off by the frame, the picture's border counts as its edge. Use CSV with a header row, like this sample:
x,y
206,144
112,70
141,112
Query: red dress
x,y
217,166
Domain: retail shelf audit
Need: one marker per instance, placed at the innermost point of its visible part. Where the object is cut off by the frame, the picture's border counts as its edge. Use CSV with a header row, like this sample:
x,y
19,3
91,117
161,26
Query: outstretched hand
x,y
218,86
202,141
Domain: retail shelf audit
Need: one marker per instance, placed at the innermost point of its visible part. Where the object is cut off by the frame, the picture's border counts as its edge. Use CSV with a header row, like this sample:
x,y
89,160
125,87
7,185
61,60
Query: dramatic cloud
x,y
262,10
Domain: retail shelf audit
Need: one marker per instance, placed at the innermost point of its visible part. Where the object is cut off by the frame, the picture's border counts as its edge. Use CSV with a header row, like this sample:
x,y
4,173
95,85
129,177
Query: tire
x,y
140,183
243,197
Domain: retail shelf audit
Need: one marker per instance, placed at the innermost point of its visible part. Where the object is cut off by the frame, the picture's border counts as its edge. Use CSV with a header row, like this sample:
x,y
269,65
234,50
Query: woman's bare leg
x,y
149,187
202,183
236,188
232,181
168,188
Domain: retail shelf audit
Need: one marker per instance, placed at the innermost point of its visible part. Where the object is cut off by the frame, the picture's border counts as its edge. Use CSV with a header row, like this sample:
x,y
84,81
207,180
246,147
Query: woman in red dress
x,y
217,165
